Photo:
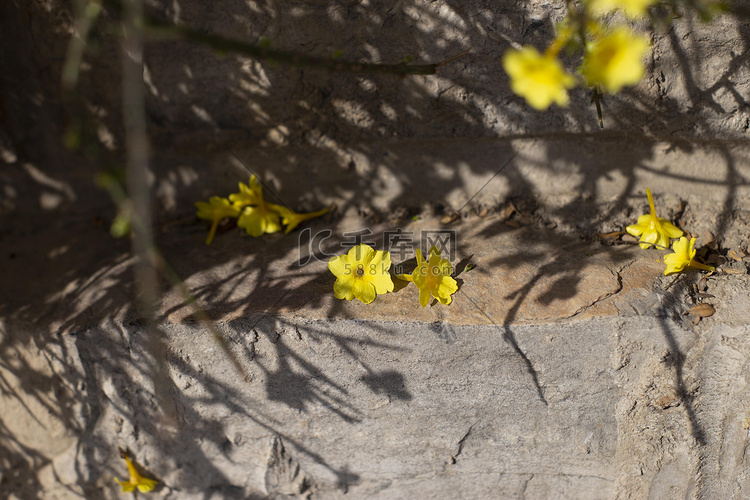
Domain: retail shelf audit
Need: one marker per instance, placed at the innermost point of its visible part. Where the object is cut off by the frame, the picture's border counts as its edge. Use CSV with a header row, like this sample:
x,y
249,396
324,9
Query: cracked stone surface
x,y
567,365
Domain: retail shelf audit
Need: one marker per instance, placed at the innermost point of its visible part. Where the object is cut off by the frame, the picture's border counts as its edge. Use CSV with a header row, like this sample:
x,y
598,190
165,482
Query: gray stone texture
x,y
566,367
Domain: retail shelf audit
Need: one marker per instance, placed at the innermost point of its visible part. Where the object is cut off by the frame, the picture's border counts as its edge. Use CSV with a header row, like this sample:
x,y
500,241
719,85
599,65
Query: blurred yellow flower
x,y
653,230
540,79
615,60
362,273
632,8
143,484
215,210
259,220
433,278
248,195
683,257
292,219
257,216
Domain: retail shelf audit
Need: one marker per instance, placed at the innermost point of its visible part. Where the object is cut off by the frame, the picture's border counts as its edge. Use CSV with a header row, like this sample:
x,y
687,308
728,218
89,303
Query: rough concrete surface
x,y
567,366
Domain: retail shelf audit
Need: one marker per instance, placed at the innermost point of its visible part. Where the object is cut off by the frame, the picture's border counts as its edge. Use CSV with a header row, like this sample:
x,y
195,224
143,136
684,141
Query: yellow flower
x,y
362,273
615,60
215,210
653,230
540,79
143,484
632,8
259,220
683,257
433,278
257,216
292,219
248,195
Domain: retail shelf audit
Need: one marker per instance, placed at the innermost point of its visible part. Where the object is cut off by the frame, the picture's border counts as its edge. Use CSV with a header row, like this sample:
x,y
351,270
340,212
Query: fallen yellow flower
x,y
362,273
433,278
257,216
540,79
292,219
653,230
143,484
215,210
683,257
248,195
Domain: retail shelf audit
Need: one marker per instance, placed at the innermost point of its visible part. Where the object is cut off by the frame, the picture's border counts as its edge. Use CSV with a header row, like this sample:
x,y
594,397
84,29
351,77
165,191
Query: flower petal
x,y
361,254
364,291
339,266
343,288
424,296
382,283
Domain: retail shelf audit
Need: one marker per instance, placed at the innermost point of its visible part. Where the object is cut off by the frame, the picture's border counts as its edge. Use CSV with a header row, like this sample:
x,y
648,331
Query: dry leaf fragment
x,y
484,212
513,223
612,235
629,238
703,284
447,219
702,310
508,211
709,240
734,271
736,255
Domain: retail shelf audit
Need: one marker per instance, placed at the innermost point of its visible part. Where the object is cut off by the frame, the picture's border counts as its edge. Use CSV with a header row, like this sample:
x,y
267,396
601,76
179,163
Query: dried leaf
x,y
707,238
629,238
508,211
696,320
613,235
736,255
447,219
484,212
702,310
513,223
734,271
703,284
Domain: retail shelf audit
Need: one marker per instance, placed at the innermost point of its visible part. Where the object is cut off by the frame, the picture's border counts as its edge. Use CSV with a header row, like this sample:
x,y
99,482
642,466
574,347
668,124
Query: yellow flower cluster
x,y
363,274
255,215
658,232
612,58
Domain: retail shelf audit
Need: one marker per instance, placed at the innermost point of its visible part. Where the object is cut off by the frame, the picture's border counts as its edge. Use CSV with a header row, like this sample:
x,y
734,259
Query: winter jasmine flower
x,y
615,60
257,216
215,210
362,273
143,484
540,79
248,195
632,8
433,278
292,219
683,257
259,220
653,230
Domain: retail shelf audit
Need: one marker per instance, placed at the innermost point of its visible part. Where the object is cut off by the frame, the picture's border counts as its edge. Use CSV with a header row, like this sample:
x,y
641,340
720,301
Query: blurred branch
x,y
162,29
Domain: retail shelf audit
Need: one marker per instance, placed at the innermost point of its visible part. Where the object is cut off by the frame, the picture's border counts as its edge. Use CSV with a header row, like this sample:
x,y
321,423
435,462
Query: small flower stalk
x,y
143,484
683,256
653,230
433,278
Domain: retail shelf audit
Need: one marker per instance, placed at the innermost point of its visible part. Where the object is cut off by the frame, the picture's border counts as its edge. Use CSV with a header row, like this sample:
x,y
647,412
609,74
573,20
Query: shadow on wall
x,y
375,143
